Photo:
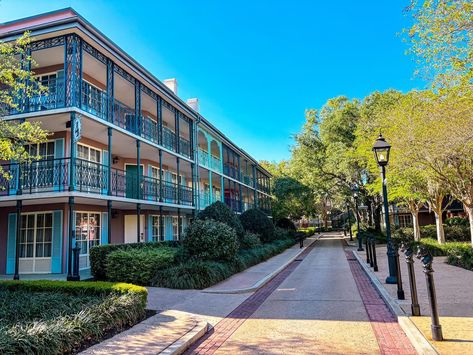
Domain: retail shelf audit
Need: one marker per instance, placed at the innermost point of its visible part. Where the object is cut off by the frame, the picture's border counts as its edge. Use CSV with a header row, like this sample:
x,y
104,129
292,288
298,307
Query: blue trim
x,y
11,243
56,252
104,236
150,227
168,228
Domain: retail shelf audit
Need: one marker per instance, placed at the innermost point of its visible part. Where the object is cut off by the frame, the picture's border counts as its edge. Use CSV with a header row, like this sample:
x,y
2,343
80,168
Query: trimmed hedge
x,y
211,240
250,240
255,221
286,223
203,274
138,266
98,254
220,212
123,305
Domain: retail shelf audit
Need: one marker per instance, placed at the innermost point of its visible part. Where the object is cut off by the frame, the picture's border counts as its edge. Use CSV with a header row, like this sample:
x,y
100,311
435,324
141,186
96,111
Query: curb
x,y
186,341
267,278
420,343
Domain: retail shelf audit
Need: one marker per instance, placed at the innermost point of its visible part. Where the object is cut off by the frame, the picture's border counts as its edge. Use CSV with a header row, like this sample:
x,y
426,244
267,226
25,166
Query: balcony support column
x,y
240,199
178,180
161,223
254,187
19,205
178,224
72,166
137,108
109,221
193,185
159,107
210,188
161,176
138,222
138,169
176,127
72,231
73,70
110,89
109,171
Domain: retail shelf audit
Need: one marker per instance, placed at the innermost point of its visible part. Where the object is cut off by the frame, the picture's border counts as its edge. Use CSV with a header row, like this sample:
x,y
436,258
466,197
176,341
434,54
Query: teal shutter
x,y
104,171
150,228
11,243
59,165
56,252
104,236
168,228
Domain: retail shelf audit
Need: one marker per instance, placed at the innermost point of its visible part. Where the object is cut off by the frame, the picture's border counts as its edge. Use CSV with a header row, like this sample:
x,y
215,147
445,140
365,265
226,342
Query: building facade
x,y
127,160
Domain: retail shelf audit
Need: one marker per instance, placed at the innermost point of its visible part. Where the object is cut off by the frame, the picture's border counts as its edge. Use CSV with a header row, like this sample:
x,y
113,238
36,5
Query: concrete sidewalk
x,y
454,288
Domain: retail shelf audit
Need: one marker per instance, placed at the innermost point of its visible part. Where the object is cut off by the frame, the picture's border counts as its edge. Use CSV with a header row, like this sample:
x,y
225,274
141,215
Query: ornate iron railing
x,y
215,163
231,171
169,139
203,157
233,203
185,147
94,100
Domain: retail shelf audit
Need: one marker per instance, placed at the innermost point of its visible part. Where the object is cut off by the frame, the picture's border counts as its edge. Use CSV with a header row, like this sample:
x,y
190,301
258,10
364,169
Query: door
x,y
131,228
132,180
36,231
88,231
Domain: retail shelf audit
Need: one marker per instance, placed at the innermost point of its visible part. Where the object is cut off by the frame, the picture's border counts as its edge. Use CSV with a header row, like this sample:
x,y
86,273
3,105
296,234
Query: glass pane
x,y
30,235
47,250
23,221
23,236
40,221
48,233
50,151
30,221
39,250
39,236
22,250
29,250
48,220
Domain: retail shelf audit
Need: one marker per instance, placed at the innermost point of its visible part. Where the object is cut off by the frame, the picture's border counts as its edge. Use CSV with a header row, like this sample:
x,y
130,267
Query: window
x,y
36,231
88,153
156,229
41,150
405,220
49,80
175,236
87,230
155,172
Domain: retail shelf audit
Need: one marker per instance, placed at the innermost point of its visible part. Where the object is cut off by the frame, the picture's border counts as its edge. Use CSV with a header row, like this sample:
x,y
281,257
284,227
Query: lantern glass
x,y
381,150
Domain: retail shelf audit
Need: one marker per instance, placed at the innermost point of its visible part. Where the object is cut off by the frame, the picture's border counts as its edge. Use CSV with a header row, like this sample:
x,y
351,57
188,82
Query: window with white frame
x,y
405,220
88,230
175,225
89,153
36,231
155,172
156,229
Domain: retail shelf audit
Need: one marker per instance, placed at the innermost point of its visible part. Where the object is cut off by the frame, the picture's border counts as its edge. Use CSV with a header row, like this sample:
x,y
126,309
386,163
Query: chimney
x,y
171,84
194,104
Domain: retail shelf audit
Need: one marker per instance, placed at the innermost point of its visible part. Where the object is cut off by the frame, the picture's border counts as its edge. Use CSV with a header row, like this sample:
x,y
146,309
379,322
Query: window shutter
x,y
56,252
104,236
150,227
11,243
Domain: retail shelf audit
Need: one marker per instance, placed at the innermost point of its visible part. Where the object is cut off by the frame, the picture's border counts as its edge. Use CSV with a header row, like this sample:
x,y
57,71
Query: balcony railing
x,y
203,157
233,203
204,198
95,101
215,163
54,175
231,171
248,180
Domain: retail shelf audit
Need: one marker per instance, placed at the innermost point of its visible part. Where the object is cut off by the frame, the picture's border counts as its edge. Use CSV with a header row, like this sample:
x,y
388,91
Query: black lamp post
x,y
381,150
358,235
349,221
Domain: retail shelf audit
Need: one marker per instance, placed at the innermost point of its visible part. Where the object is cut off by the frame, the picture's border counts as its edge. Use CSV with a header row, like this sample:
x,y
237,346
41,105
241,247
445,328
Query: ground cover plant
x,y
57,317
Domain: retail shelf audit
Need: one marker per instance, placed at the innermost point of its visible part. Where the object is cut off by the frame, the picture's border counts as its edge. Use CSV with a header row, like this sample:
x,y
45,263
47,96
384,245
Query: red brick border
x,y
227,326
390,336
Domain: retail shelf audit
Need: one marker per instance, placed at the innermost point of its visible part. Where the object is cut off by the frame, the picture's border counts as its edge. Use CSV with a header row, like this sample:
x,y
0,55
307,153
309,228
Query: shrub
x,y
428,231
98,254
256,221
403,235
138,266
220,212
280,233
249,241
462,256
457,221
211,240
286,223
122,305
457,233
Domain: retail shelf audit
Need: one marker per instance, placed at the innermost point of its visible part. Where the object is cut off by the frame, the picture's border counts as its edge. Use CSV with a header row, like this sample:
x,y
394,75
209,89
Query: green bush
x,y
428,231
256,221
286,223
250,240
116,307
457,221
462,256
138,266
457,233
280,233
211,240
220,212
98,254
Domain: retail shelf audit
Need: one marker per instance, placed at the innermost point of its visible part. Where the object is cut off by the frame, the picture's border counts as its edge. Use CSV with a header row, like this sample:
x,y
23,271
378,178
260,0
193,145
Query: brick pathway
x,y
390,336
227,326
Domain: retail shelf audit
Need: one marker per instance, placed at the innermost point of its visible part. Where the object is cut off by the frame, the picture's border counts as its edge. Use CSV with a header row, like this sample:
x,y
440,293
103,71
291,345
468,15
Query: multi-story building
x,y
127,160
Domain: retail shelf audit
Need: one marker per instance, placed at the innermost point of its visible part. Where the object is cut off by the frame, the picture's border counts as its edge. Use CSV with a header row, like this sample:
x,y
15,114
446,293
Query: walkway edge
x,y
267,278
420,343
186,341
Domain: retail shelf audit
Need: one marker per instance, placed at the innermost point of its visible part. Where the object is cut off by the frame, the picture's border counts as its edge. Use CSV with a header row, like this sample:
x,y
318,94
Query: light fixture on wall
x,y
115,160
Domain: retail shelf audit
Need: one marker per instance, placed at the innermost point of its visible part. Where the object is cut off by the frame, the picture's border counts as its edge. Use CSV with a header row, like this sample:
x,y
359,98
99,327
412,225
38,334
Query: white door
x,y
88,231
130,228
36,231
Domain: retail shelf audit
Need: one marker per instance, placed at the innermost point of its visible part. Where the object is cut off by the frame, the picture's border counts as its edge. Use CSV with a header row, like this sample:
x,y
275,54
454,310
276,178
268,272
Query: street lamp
x,y
358,234
381,150
349,221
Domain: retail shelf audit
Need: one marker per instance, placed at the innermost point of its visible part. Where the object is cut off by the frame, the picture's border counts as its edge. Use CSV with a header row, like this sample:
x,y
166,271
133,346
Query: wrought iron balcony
x,y
54,175
169,139
231,171
204,197
185,147
215,163
233,203
248,180
203,157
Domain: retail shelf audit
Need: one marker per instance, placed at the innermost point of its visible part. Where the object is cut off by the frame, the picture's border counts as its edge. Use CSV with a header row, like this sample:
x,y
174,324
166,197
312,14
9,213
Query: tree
x,y
17,83
442,39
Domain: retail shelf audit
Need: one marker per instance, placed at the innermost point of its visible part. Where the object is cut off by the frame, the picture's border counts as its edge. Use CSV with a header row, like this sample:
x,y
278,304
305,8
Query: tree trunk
x,y
439,224
469,210
415,224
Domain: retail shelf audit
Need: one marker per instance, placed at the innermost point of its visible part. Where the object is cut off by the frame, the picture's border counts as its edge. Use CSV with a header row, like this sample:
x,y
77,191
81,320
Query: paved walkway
x,y
313,306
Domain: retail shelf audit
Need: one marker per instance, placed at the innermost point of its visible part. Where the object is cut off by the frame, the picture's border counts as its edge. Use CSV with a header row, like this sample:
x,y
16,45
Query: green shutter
x,y
56,252
104,236
150,227
168,228
11,243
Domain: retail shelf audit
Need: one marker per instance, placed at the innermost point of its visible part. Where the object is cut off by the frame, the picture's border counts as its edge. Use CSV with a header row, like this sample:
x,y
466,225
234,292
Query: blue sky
x,y
255,65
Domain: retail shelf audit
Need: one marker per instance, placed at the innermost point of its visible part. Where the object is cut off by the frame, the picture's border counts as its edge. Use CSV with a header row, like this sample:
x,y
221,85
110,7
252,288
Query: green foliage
x,y
286,223
458,233
56,317
250,240
456,221
98,254
138,266
220,212
256,221
211,240
462,256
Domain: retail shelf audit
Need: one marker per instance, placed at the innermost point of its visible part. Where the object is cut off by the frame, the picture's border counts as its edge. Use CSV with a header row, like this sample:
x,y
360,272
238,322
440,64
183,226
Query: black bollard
x,y
426,258
368,252
301,242
370,245
75,267
373,254
409,253
400,291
